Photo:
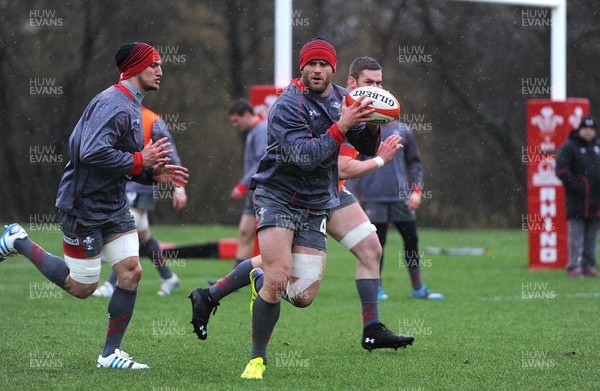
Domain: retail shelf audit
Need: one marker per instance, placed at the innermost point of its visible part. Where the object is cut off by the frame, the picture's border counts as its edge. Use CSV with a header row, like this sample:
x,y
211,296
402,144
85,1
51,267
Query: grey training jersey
x,y
397,179
256,146
101,156
300,165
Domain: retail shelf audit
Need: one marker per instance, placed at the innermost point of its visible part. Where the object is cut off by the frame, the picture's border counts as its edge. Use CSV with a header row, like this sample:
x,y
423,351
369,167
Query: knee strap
x,y
356,235
307,268
122,247
84,271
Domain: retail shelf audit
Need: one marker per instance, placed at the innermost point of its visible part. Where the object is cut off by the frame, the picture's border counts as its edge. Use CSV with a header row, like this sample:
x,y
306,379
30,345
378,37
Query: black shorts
x,y
346,198
384,212
309,226
83,238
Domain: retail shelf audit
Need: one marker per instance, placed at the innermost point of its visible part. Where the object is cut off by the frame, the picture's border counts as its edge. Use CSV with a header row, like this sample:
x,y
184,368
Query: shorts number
x,y
323,227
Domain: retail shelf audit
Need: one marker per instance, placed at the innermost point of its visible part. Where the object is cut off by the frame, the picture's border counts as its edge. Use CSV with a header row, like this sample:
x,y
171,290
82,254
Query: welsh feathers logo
x,y
575,118
263,108
337,106
260,214
88,242
547,121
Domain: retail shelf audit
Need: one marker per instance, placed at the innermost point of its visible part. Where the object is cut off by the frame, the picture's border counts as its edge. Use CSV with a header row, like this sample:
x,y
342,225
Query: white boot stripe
x,y
119,360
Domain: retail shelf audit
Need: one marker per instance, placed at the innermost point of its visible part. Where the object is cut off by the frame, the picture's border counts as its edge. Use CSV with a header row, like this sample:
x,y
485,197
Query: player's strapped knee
x,y
307,269
84,271
121,248
355,236
141,220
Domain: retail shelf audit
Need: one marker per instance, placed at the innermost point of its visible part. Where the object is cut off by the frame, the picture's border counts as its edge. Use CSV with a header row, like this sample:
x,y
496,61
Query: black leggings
x,y
408,230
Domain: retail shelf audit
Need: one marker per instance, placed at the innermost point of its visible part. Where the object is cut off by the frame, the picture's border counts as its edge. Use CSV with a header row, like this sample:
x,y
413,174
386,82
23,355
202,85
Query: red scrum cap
x,y
318,49
132,58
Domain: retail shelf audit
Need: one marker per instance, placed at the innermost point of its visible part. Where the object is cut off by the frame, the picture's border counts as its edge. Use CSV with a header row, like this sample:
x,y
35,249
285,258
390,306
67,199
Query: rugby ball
x,y
385,104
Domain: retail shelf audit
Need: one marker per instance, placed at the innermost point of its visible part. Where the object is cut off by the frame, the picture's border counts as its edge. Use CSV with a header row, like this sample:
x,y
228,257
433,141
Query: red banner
x,y
548,125
262,98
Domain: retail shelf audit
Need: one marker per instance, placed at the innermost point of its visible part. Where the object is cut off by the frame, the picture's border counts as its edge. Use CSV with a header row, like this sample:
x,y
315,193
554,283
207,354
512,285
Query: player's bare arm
x,y
179,198
348,167
414,200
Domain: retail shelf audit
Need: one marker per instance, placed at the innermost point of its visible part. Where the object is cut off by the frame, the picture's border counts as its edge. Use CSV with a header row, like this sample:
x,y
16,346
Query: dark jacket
x,y
578,167
300,165
395,181
256,146
102,157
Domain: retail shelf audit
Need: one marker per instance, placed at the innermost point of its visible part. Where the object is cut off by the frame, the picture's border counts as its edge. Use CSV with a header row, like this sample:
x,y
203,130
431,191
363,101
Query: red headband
x,y
318,50
140,57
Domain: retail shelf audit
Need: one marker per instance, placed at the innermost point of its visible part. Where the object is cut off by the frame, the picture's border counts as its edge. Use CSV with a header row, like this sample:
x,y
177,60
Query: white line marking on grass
x,y
581,295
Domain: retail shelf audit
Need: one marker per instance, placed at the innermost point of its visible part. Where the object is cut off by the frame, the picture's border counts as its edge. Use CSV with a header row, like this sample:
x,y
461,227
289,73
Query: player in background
x,y
105,152
389,197
141,201
242,117
393,193
350,226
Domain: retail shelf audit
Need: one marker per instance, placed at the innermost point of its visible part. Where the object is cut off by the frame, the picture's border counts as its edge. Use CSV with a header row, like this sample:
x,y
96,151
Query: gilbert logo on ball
x,y
385,104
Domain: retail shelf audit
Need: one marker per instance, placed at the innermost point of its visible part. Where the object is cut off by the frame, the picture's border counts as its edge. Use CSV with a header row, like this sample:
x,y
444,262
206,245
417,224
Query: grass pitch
x,y
501,326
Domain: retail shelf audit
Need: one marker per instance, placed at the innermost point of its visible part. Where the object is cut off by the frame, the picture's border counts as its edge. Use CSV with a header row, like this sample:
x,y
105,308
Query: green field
x,y
500,327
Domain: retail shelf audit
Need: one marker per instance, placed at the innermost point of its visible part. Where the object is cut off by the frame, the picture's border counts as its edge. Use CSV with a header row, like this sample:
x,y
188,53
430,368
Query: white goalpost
x,y
283,42
558,40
